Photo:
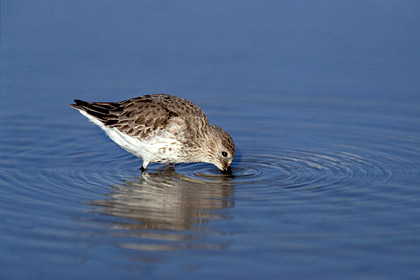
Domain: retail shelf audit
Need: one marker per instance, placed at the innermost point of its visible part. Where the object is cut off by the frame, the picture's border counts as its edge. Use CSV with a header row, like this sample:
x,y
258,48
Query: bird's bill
x,y
227,171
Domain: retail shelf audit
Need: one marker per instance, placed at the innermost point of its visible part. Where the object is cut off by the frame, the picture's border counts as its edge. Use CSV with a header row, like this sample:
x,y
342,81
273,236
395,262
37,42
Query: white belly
x,y
162,148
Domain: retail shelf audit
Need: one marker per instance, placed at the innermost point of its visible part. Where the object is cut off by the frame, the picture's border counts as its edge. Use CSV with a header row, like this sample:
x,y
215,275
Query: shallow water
x,y
324,108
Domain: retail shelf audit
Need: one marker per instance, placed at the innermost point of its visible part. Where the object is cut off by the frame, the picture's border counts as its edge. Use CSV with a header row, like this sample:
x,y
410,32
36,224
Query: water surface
x,y
322,100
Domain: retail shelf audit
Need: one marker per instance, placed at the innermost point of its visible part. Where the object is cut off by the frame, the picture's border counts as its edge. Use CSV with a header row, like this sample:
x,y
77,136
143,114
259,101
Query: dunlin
x,y
162,128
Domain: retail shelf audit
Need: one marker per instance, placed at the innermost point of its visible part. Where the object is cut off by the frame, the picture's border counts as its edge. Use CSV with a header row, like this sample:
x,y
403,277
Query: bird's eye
x,y
224,154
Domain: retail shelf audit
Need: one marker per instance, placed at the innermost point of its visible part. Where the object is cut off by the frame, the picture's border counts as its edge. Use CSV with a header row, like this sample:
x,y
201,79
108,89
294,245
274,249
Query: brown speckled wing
x,y
145,115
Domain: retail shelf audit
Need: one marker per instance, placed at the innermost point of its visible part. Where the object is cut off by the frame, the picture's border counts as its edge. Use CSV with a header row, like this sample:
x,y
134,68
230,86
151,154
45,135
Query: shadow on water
x,y
166,210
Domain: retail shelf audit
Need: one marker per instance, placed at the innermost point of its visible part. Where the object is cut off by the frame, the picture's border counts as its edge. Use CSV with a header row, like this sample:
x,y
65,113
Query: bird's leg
x,y
143,167
170,167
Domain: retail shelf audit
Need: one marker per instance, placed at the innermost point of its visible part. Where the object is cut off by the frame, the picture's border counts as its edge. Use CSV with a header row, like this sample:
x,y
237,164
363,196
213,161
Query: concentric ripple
x,y
297,169
309,169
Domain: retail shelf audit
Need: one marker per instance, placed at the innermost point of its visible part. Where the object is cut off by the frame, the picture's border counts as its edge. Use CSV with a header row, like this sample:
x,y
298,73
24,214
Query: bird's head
x,y
221,149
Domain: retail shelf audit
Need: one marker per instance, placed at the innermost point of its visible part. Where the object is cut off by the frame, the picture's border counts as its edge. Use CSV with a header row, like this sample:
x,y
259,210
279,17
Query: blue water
x,y
322,99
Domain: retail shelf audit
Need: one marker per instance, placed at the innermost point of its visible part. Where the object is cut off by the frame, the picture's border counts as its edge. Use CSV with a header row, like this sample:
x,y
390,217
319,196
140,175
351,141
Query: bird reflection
x,y
166,205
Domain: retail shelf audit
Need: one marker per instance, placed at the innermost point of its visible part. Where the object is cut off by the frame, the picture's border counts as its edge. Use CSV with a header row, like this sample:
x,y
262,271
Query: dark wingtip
x,y
79,104
103,111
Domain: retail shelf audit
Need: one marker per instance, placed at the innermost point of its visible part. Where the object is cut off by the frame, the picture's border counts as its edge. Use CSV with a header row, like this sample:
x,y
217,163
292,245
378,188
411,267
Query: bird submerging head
x,y
162,128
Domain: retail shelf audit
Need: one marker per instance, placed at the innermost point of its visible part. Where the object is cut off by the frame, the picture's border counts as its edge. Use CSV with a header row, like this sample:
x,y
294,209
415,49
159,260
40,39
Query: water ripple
x,y
276,171
295,169
100,187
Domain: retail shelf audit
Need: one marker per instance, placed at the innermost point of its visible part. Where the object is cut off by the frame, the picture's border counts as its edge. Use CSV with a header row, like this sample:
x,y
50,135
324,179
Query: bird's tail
x,y
103,111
